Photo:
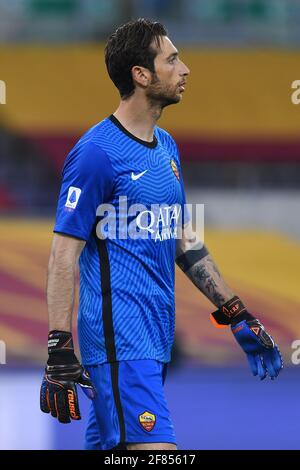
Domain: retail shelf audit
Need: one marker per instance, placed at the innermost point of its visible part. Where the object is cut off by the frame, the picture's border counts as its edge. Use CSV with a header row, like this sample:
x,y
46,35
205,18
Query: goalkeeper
x,y
126,317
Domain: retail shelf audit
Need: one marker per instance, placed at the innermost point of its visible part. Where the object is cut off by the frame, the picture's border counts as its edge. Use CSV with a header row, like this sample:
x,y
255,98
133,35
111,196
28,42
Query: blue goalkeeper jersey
x,y
125,198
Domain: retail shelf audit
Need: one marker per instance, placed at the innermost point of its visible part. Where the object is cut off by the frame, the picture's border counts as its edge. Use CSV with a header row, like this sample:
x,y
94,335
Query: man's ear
x,y
141,75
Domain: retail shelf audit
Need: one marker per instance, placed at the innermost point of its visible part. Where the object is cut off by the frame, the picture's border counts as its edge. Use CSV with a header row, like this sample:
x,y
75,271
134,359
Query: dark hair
x,y
128,46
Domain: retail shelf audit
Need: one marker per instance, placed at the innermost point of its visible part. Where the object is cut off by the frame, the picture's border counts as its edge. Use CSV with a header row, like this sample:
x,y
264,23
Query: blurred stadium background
x,y
239,136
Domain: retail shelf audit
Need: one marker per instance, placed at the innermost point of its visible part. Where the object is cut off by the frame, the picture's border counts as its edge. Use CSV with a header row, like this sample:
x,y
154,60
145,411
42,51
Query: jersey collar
x,y
151,145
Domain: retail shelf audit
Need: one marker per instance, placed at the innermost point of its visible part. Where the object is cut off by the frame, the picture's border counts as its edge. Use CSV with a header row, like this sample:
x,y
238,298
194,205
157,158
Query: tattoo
x,y
216,270
211,284
219,299
206,276
200,273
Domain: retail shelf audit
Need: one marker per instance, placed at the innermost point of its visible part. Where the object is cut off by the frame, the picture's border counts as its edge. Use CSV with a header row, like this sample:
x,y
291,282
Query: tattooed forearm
x,y
206,276
196,262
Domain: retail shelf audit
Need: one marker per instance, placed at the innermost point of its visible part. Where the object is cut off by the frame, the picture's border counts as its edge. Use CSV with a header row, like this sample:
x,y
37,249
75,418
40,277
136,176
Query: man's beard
x,y
161,95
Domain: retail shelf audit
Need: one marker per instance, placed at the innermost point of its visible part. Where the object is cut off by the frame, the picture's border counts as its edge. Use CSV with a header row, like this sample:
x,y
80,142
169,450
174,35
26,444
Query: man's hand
x,y
263,354
62,372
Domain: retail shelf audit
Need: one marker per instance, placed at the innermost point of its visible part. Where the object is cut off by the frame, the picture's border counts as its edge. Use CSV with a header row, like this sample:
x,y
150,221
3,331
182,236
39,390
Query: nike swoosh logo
x,y
136,177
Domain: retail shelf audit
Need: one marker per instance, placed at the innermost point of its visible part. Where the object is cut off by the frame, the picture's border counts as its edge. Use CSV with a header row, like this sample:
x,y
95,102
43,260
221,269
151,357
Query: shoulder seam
x,y
106,155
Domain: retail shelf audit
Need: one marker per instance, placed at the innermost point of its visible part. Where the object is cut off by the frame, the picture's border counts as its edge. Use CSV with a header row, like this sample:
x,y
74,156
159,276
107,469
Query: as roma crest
x,y
147,420
175,169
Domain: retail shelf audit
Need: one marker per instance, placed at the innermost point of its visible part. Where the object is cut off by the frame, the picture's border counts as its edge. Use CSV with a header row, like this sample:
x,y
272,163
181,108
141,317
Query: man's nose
x,y
186,70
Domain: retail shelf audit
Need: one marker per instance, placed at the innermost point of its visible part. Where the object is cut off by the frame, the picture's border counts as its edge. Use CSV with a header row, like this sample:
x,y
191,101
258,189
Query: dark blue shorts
x,y
130,405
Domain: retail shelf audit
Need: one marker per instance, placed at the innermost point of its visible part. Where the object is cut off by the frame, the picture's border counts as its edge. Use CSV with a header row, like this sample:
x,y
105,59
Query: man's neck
x,y
138,117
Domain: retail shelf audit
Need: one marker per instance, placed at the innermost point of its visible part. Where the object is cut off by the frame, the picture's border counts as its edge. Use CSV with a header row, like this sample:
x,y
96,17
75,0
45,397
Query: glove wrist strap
x,y
231,313
61,348
60,341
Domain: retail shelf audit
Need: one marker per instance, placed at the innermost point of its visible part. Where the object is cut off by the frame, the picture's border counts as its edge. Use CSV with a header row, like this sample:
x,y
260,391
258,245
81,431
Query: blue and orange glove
x,y
63,371
262,352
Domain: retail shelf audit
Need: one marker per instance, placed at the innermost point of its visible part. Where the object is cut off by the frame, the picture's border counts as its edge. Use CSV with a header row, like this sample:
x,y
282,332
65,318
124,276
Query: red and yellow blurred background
x,y
237,109
239,137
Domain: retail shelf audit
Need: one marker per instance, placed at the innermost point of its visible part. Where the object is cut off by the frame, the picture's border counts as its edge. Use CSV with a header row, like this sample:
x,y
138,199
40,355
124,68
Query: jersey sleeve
x,y
87,182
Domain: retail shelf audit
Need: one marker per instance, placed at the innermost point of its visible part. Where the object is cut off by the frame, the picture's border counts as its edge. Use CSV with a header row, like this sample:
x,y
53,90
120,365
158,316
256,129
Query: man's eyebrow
x,y
174,54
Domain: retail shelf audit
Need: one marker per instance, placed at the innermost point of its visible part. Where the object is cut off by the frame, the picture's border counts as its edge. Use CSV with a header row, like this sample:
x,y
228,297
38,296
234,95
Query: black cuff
x,y
61,348
191,257
60,341
232,312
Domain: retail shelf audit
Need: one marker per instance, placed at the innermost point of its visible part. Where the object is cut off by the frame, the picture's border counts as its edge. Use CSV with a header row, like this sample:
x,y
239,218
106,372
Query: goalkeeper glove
x,y
262,352
63,370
